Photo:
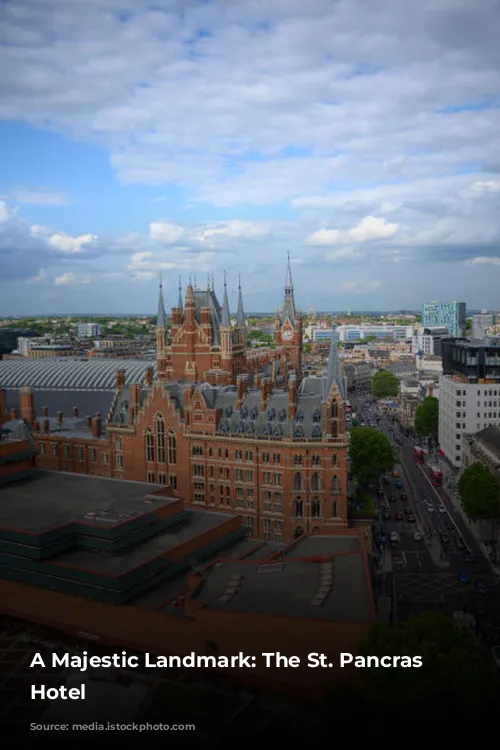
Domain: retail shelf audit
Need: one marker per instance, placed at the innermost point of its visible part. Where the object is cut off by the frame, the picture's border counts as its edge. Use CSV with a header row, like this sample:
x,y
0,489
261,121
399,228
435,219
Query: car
x,y
399,484
380,491
445,538
398,516
417,536
460,542
407,511
403,496
464,577
411,518
385,480
469,558
441,508
394,537
395,474
387,515
430,508
393,498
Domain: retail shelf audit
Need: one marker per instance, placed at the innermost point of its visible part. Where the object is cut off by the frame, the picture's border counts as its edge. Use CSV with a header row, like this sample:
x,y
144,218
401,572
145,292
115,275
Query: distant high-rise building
x,y
451,315
481,323
88,330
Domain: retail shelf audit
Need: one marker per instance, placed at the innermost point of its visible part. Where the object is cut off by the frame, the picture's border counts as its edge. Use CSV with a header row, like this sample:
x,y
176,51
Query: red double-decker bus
x,y
436,476
419,455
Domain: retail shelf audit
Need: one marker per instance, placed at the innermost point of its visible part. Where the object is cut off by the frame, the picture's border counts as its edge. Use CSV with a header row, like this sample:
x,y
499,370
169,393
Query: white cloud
x,y
486,186
39,278
71,279
242,230
41,196
165,232
368,229
67,244
358,286
485,261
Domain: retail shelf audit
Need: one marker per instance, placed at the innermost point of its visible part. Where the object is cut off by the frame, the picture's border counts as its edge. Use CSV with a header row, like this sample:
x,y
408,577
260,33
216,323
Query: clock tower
x,y
288,329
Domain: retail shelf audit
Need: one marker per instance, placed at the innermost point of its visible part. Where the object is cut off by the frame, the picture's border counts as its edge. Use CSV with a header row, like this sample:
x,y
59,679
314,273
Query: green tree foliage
x,y
307,348
456,680
371,454
480,493
427,416
385,384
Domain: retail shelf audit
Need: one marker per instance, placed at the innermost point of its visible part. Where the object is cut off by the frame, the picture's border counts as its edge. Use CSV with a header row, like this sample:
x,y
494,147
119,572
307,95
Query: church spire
x,y
179,304
334,371
226,316
240,314
289,302
160,320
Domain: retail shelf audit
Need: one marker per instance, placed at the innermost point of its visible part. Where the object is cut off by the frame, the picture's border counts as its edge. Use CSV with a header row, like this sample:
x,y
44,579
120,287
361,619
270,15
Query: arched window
x,y
335,429
334,459
297,481
150,446
316,508
160,439
298,509
297,460
334,509
335,410
335,484
172,448
315,482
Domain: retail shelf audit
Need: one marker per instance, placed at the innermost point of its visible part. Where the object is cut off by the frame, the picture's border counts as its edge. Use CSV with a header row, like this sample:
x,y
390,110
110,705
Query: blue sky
x,y
186,137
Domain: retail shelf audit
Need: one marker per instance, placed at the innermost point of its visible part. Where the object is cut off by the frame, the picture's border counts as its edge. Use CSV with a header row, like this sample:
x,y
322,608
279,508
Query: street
x,y
445,570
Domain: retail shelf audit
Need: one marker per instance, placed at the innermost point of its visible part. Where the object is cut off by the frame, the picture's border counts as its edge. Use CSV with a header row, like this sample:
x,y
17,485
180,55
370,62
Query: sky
x,y
193,137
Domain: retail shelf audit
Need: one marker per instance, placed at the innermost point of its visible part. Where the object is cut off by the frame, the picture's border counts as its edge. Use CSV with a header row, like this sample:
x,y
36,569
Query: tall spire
x,y
160,321
226,316
240,314
289,302
334,371
179,304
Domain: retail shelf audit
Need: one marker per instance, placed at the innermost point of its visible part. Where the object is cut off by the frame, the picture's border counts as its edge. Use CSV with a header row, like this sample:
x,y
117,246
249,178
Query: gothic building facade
x,y
228,427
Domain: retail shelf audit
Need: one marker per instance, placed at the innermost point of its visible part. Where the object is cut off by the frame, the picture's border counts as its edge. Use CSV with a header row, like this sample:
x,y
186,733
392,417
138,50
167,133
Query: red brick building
x,y
232,429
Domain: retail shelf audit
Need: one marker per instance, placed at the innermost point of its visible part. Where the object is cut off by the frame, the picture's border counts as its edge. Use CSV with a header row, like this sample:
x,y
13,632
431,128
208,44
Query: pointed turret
x,y
161,319
334,371
179,304
240,313
288,302
225,320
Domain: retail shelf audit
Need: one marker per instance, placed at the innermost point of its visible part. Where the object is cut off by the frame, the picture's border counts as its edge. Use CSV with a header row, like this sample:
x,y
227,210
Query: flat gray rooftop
x,y
52,499
288,589
313,546
196,522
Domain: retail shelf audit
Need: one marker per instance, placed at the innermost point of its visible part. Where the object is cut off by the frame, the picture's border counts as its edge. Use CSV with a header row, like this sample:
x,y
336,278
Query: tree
x,y
371,454
480,493
456,677
427,416
385,384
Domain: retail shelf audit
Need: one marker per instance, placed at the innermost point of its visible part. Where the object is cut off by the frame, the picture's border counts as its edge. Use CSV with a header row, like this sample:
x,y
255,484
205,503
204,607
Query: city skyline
x,y
359,138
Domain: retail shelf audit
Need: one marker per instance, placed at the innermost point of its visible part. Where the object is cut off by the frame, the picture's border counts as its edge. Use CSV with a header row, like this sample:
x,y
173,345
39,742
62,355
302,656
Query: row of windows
x,y
66,452
267,458
155,444
161,478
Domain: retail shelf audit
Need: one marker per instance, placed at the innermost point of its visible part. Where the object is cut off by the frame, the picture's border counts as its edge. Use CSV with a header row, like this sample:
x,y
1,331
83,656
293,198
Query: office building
x,y
88,330
450,315
481,323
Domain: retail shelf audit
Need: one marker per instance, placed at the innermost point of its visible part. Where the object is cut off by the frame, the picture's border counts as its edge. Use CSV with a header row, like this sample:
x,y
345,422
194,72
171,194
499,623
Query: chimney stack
x,y
119,379
241,389
46,425
292,396
149,376
75,411
13,414
60,417
265,390
97,426
27,404
45,411
36,426
135,400
89,420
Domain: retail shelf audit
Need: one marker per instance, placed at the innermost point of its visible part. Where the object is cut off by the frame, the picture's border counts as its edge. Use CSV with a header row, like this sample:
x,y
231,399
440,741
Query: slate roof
x,y
207,298
68,373
490,437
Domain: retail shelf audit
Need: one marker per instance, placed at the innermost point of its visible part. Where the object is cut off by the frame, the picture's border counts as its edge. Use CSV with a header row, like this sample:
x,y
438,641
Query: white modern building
x,y
358,333
428,340
26,343
481,323
88,330
464,408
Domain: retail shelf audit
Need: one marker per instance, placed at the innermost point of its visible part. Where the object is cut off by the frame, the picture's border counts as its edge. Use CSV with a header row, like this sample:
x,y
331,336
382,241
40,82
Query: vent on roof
x,y
316,415
239,427
316,431
278,430
228,411
223,426
267,428
250,428
253,412
299,431
299,416
243,412
282,415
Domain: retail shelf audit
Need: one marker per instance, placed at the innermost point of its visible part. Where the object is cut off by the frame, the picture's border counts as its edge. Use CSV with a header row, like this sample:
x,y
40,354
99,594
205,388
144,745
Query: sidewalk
x,y
477,529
